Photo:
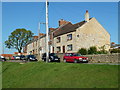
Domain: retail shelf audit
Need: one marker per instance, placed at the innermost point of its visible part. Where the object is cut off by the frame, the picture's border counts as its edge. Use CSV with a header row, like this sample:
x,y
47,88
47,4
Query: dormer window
x,y
69,37
58,39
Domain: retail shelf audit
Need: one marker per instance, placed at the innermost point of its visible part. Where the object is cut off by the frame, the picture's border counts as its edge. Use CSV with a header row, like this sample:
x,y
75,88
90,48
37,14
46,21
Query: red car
x,y
74,57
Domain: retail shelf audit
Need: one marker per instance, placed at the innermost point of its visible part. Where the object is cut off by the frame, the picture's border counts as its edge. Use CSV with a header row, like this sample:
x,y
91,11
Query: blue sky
x,y
28,14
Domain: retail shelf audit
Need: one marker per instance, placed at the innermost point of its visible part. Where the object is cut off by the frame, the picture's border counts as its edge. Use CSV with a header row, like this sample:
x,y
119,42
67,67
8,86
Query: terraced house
x,y
70,37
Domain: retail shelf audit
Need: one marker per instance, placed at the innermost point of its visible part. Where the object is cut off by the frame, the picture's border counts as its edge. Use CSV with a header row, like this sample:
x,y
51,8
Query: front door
x,y
63,49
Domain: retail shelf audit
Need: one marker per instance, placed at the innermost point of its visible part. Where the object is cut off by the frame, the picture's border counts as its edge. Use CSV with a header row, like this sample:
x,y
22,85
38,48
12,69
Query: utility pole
x,y
47,37
39,42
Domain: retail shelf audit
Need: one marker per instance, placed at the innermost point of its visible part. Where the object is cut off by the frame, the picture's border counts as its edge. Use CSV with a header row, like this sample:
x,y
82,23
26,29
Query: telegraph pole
x,y
39,42
47,37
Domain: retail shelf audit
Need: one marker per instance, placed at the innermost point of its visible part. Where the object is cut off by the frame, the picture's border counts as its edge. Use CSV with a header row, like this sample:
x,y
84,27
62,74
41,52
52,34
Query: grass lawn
x,y
58,75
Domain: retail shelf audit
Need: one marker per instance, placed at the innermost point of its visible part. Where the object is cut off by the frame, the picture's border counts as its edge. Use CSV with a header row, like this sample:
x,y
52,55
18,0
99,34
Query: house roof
x,y
63,29
67,28
7,55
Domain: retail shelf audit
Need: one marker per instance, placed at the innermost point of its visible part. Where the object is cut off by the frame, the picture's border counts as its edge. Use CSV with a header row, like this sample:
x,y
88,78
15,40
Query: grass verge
x,y
59,75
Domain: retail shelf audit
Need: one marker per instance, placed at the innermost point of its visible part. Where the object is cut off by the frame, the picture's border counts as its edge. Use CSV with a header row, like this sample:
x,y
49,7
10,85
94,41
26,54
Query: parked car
x,y
30,58
13,57
74,57
52,57
2,58
22,57
17,57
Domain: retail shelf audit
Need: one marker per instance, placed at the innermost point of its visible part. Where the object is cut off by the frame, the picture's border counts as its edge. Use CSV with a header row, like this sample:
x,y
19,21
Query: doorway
x,y
63,49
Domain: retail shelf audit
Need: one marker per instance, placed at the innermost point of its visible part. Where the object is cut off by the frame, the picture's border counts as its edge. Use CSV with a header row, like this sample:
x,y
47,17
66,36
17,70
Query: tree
x,y
92,50
18,39
82,51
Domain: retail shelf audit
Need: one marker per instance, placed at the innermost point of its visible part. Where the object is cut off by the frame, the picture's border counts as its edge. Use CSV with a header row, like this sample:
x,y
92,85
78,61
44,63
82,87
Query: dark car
x,y
52,57
22,57
74,57
30,58
2,58
17,57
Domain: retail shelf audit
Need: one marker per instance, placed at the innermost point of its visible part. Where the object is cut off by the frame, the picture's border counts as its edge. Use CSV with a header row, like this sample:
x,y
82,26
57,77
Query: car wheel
x,y
44,60
64,60
75,61
49,60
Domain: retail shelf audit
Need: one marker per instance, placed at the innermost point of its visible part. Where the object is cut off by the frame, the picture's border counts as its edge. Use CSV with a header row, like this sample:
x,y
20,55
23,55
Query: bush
x,y
83,51
92,50
115,51
102,52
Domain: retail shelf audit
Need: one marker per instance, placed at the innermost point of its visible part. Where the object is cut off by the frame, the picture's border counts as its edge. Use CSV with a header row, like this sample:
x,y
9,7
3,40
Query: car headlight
x,y
86,58
80,58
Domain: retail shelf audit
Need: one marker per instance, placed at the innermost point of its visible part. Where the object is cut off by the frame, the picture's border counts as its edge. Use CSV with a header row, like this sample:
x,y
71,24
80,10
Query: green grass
x,y
59,75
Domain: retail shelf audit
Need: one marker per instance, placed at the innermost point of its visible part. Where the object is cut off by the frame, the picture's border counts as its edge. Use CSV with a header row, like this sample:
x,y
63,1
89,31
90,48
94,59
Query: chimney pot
x,y
87,16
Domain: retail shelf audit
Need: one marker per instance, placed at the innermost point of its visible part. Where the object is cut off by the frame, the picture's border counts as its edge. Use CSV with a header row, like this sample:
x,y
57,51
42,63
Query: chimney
x,y
52,29
62,22
35,37
41,34
87,16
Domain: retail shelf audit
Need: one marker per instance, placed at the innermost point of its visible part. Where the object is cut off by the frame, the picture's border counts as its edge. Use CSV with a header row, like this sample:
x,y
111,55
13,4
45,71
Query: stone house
x,y
70,37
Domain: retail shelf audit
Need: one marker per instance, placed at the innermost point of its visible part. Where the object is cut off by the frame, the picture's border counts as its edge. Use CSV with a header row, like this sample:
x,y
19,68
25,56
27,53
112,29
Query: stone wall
x,y
101,58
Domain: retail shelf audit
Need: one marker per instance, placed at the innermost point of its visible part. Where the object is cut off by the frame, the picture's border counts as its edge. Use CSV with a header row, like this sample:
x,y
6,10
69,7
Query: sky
x,y
27,15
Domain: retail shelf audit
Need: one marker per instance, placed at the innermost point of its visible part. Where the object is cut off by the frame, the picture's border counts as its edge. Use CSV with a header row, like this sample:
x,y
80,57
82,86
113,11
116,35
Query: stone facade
x,y
92,34
32,47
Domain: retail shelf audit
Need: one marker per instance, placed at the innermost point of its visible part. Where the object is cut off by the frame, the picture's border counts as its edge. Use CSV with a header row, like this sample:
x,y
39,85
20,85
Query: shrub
x,y
115,51
92,50
102,52
83,51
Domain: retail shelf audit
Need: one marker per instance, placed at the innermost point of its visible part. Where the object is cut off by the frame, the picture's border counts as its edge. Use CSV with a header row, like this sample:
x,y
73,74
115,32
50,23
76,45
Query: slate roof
x,y
67,28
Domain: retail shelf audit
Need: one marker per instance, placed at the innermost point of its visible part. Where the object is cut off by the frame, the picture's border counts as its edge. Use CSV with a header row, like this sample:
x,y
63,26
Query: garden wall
x,y
101,58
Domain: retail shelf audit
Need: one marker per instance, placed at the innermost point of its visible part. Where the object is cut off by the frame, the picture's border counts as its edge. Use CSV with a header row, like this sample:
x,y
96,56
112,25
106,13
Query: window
x,y
77,35
58,49
69,47
58,39
69,37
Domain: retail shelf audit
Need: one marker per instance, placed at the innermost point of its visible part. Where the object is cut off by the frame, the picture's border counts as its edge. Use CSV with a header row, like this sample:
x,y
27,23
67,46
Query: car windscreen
x,y
53,54
32,56
76,54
